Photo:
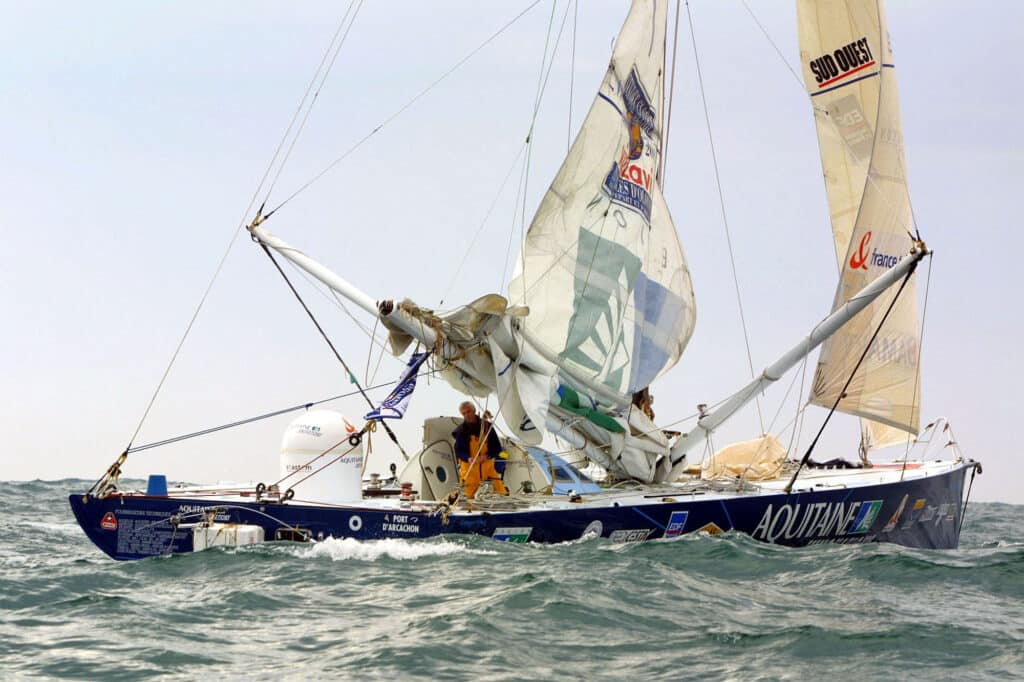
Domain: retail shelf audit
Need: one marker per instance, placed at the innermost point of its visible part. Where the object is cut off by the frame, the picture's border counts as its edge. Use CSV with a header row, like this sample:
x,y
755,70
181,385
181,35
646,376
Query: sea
x,y
470,608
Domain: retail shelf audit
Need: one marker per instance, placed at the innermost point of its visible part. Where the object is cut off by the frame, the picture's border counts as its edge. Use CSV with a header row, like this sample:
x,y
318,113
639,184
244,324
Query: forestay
x,y
602,270
850,75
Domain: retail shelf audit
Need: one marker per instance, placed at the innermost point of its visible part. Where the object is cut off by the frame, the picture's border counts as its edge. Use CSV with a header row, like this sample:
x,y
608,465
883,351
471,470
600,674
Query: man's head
x,y
468,411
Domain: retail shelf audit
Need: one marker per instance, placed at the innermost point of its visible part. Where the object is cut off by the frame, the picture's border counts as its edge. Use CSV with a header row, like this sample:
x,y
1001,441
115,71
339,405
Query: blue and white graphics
x,y
676,523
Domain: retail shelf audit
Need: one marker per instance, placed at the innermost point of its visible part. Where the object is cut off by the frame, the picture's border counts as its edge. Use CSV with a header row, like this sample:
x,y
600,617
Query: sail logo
x,y
629,183
862,258
816,520
837,65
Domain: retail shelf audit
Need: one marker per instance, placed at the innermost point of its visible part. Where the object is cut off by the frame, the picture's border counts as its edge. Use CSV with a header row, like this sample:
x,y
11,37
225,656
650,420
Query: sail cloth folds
x,y
602,269
850,75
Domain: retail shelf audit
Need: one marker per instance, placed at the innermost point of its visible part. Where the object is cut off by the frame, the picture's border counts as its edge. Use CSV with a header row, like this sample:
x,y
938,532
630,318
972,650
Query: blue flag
x,y
395,405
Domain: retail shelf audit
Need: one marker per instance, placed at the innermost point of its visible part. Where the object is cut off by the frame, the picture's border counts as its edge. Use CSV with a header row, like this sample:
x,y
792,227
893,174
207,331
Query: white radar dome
x,y
318,445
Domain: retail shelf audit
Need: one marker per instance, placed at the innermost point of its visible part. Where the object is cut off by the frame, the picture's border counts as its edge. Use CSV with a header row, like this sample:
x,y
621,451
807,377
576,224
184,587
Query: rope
x,y
842,393
314,473
721,203
352,376
401,110
963,512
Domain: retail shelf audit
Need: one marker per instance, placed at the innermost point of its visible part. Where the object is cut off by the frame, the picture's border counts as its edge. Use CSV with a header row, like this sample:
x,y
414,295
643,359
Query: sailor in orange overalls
x,y
479,452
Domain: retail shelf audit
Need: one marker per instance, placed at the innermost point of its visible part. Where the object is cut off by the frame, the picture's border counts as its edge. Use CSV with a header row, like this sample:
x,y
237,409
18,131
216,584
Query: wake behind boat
x,y
600,306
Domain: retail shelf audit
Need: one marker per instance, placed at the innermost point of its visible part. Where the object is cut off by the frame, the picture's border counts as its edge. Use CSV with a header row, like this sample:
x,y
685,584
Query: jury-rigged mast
x,y
601,302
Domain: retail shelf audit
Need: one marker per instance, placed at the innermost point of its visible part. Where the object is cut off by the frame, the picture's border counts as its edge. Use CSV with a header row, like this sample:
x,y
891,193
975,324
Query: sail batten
x,y
849,72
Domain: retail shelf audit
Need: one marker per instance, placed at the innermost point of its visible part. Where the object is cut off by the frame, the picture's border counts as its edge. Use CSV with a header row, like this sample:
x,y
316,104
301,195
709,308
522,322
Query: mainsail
x,y
602,270
850,75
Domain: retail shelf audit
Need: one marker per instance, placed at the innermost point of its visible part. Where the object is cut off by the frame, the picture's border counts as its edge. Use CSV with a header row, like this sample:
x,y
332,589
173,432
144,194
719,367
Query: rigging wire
x,y
401,110
224,257
512,230
572,72
671,98
260,417
789,67
542,83
316,95
721,203
917,375
331,296
479,229
849,380
351,375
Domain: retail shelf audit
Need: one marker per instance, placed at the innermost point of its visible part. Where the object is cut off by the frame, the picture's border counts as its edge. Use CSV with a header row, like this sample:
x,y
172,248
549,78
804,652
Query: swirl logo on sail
x,y
861,259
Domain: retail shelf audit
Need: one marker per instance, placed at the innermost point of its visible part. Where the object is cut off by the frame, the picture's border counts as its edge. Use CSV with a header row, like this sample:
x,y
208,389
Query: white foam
x,y
345,549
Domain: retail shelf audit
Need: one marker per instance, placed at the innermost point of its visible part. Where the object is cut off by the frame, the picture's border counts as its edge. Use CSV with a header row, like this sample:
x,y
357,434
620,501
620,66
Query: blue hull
x,y
924,513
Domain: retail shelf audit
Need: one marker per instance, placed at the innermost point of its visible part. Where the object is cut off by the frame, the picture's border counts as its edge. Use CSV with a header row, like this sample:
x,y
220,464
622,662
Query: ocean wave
x,y
349,549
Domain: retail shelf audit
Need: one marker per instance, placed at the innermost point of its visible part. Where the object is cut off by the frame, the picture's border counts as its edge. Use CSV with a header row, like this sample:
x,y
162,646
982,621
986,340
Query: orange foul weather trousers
x,y
472,473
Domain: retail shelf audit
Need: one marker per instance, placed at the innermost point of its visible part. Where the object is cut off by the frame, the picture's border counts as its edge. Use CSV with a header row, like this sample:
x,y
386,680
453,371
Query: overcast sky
x,y
135,134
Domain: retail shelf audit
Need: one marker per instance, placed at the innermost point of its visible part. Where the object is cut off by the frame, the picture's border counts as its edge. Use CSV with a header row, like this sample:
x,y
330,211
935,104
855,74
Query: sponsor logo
x,y
401,523
676,523
846,61
631,535
191,509
816,520
859,260
915,513
711,529
593,529
862,259
109,521
623,191
866,517
355,523
629,182
895,518
308,430
519,534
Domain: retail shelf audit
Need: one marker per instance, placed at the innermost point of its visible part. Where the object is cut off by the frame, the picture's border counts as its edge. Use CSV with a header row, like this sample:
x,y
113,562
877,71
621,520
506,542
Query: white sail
x,y
850,76
602,270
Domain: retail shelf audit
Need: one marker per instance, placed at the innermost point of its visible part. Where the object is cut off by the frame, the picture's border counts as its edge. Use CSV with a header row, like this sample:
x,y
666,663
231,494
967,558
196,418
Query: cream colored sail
x,y
850,76
602,270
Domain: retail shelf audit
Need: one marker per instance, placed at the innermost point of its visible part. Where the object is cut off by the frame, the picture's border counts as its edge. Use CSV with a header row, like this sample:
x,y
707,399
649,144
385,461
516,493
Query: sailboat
x,y
601,305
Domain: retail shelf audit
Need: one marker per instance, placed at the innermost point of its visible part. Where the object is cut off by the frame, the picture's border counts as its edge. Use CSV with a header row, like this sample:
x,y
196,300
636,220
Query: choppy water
x,y
473,608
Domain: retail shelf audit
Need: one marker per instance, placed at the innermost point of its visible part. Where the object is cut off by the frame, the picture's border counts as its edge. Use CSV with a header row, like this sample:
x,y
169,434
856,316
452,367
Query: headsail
x,y
850,76
602,269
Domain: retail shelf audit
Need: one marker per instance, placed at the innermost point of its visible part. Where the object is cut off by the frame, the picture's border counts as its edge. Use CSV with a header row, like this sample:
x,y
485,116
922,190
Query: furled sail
x,y
850,76
602,270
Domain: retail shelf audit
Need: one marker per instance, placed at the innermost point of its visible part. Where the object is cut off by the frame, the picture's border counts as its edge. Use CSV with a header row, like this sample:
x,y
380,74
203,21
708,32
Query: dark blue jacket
x,y
462,435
